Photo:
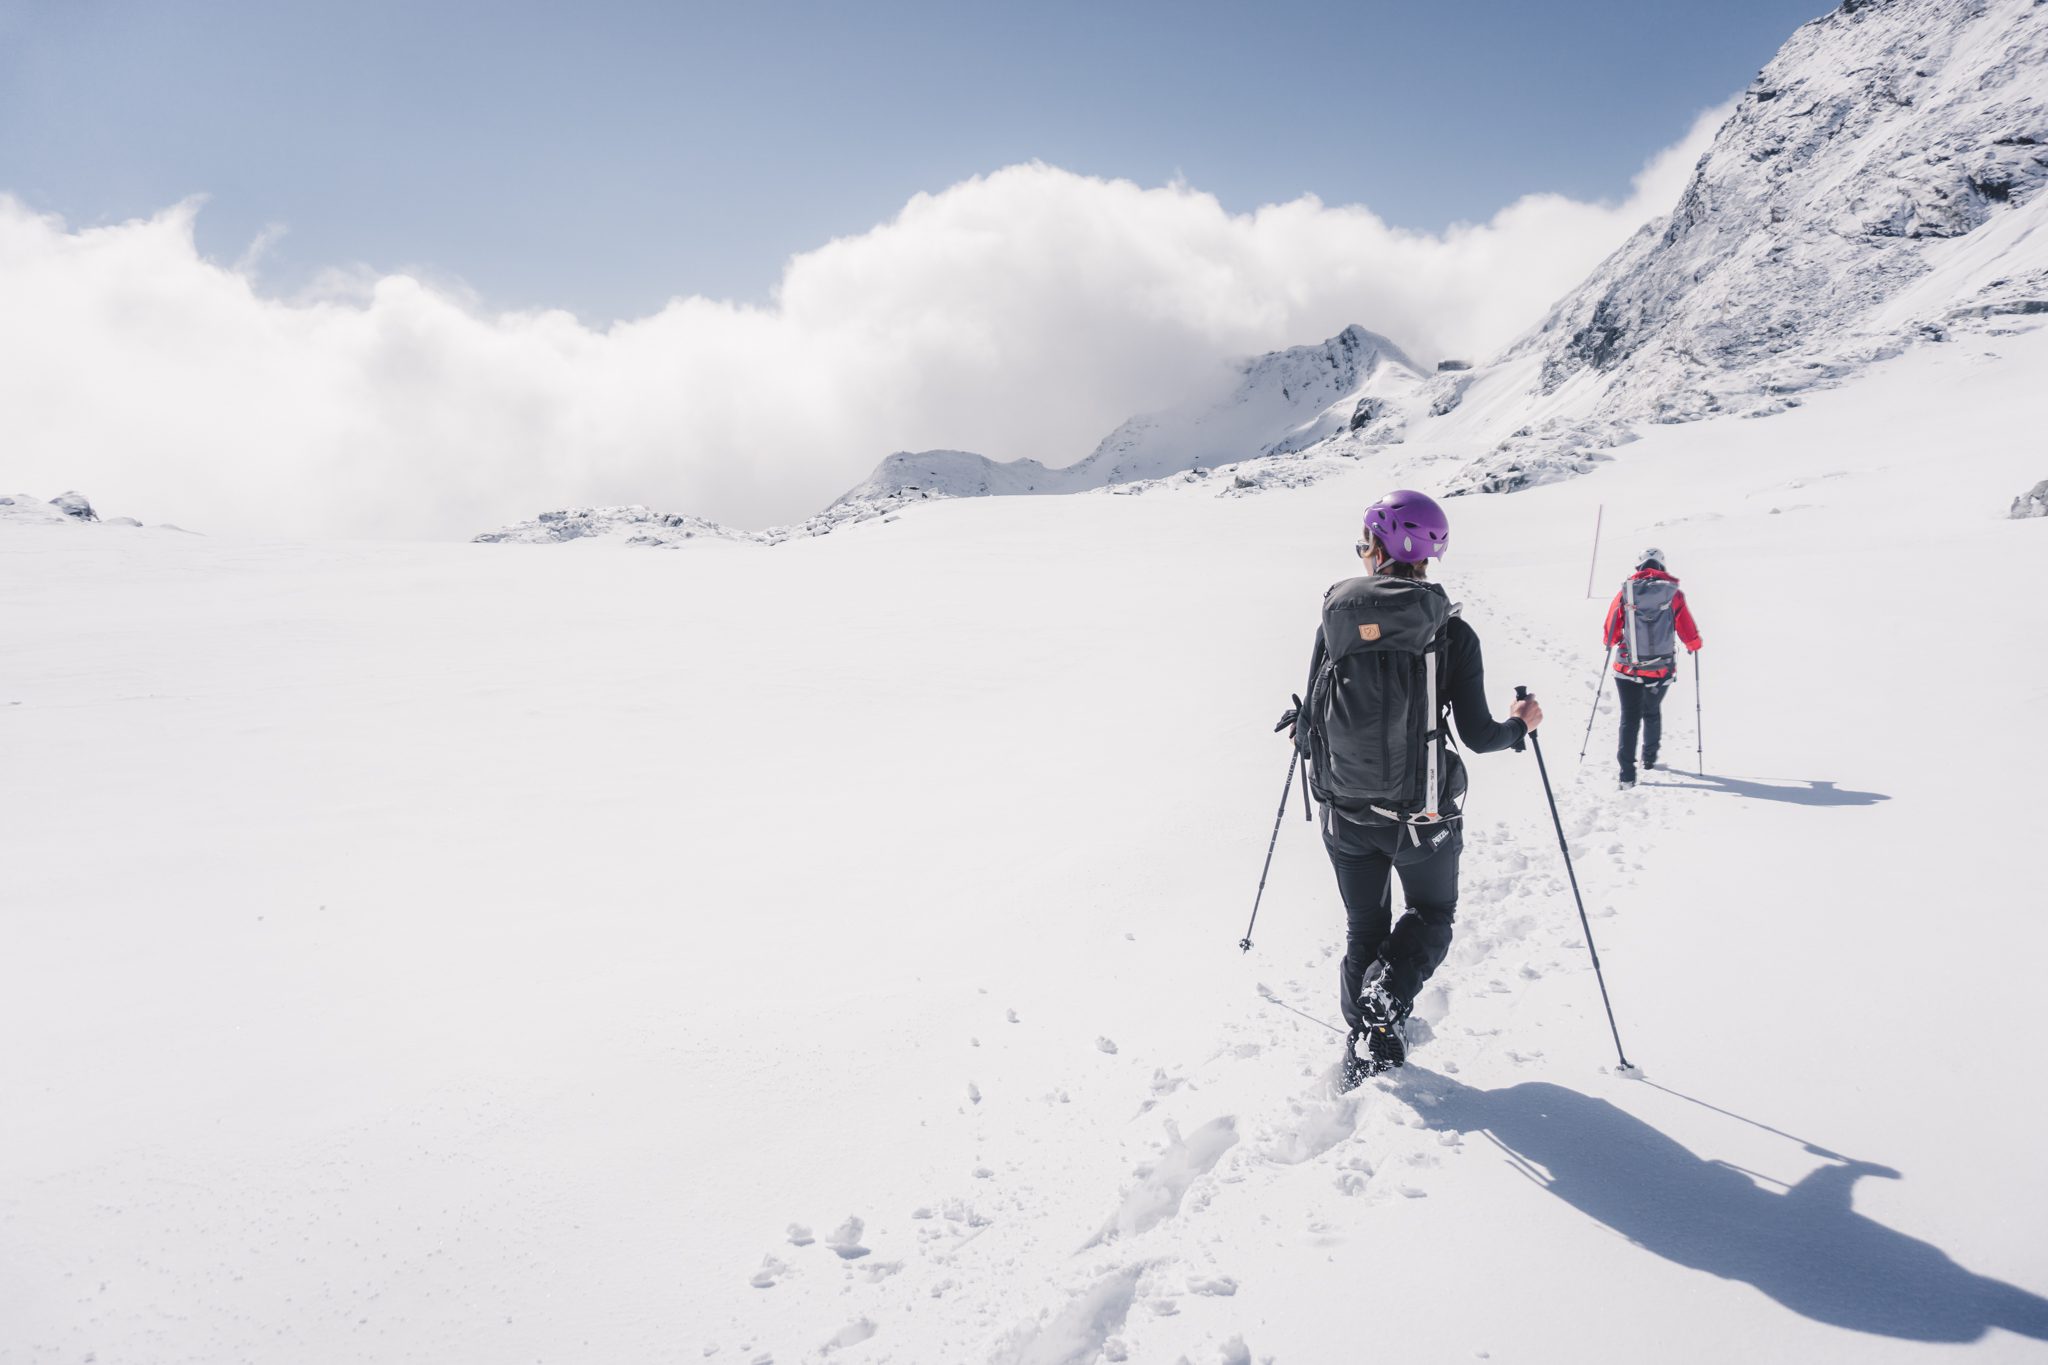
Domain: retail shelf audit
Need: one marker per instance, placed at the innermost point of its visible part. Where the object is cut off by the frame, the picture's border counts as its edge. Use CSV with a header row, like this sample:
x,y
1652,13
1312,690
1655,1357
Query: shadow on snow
x,y
1804,1246
1797,793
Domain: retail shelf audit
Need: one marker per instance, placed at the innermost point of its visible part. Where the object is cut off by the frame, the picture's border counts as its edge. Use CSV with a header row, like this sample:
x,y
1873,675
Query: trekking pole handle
x,y
1521,694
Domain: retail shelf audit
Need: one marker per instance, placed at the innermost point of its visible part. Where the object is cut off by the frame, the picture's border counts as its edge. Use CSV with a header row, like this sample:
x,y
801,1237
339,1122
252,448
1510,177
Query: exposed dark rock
x,y
74,505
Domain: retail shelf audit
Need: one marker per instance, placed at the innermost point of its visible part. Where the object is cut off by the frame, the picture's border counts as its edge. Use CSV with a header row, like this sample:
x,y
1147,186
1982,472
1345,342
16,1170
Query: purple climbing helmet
x,y
1410,525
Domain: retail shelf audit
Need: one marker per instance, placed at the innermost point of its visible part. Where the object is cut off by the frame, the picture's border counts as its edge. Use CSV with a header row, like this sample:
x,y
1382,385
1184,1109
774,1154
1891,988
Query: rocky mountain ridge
x,y
1878,186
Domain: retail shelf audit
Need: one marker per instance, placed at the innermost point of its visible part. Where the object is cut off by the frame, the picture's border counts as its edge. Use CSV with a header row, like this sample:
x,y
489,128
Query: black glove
x,y
1288,717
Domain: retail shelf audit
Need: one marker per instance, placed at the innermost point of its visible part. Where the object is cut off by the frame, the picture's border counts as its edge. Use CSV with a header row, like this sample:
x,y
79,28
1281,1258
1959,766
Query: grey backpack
x,y
1375,738
1649,623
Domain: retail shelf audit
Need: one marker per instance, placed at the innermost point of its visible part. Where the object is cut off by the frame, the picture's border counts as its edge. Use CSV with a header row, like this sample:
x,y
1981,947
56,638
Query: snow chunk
x,y
845,1239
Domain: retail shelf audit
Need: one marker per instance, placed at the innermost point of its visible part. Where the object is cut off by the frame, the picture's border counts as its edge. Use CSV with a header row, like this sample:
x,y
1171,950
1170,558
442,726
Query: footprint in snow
x,y
852,1334
799,1235
1106,1045
1161,1187
845,1239
770,1273
1085,1327
1318,1126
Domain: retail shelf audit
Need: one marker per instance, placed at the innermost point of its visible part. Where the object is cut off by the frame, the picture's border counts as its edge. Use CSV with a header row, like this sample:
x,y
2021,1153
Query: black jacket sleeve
x,y
1465,687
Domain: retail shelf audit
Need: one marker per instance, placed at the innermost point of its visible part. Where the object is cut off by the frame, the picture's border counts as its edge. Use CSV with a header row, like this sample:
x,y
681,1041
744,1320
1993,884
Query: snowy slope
x,y
462,953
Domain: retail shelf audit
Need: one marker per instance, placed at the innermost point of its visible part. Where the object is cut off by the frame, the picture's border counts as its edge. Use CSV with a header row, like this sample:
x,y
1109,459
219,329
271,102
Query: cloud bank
x,y
1025,312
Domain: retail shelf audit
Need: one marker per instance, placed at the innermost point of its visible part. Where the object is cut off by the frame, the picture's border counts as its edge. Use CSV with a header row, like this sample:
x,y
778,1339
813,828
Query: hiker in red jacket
x,y
1646,618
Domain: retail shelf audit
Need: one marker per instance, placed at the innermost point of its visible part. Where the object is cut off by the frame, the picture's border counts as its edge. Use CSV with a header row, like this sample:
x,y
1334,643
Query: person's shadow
x,y
1806,1247
1798,793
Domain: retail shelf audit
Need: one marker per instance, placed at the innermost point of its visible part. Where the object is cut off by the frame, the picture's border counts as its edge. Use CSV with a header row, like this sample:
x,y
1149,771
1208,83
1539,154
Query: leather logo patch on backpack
x,y
1369,631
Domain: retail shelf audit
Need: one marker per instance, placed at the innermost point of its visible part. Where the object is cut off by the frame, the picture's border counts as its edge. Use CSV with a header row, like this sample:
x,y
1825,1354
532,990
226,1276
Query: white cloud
x,y
1020,313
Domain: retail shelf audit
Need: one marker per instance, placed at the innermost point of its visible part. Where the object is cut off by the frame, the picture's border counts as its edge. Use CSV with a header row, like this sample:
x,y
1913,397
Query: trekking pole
x,y
1598,687
1293,758
1584,923
1699,743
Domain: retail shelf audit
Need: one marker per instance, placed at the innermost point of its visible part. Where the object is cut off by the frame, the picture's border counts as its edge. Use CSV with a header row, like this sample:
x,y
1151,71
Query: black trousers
x,y
1365,858
1642,707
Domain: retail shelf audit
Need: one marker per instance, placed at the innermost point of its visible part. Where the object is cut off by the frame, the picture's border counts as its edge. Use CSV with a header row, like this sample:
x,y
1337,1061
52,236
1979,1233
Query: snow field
x,y
828,951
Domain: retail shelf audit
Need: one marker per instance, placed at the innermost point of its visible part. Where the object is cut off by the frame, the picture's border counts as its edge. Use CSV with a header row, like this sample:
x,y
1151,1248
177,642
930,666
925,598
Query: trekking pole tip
x,y
1244,945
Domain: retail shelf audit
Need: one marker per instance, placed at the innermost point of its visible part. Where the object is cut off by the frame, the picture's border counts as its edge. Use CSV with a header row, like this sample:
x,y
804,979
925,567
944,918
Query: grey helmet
x,y
1652,558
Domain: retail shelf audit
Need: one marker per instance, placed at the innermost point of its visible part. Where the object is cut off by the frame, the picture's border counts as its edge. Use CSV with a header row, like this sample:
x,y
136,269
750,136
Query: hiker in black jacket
x,y
1377,761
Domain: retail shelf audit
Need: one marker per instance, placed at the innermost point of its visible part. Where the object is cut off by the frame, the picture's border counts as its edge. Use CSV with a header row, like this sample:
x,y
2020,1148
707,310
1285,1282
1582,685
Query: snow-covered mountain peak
x,y
1277,403
1283,401
909,475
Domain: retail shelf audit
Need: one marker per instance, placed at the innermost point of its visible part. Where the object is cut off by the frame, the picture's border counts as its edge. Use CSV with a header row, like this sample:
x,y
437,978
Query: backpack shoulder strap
x,y
1434,716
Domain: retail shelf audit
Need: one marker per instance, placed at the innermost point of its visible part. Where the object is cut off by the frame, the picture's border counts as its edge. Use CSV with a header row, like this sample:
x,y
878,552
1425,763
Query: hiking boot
x,y
1649,760
1378,1006
1357,1069
1628,780
1386,1045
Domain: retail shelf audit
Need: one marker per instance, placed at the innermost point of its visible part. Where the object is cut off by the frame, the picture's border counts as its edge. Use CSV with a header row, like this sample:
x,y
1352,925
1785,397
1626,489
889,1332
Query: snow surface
x,y
484,953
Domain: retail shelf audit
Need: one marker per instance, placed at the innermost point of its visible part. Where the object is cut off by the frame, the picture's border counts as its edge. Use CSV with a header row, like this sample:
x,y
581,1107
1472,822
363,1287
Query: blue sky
x,y
605,157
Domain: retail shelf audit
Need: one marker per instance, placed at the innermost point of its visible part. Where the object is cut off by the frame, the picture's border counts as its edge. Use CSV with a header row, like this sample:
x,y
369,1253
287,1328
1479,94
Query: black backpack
x,y
1375,739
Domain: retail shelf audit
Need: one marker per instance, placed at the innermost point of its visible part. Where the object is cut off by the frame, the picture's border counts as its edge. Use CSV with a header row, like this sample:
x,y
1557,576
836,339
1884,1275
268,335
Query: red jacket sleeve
x,y
1612,634
1687,631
